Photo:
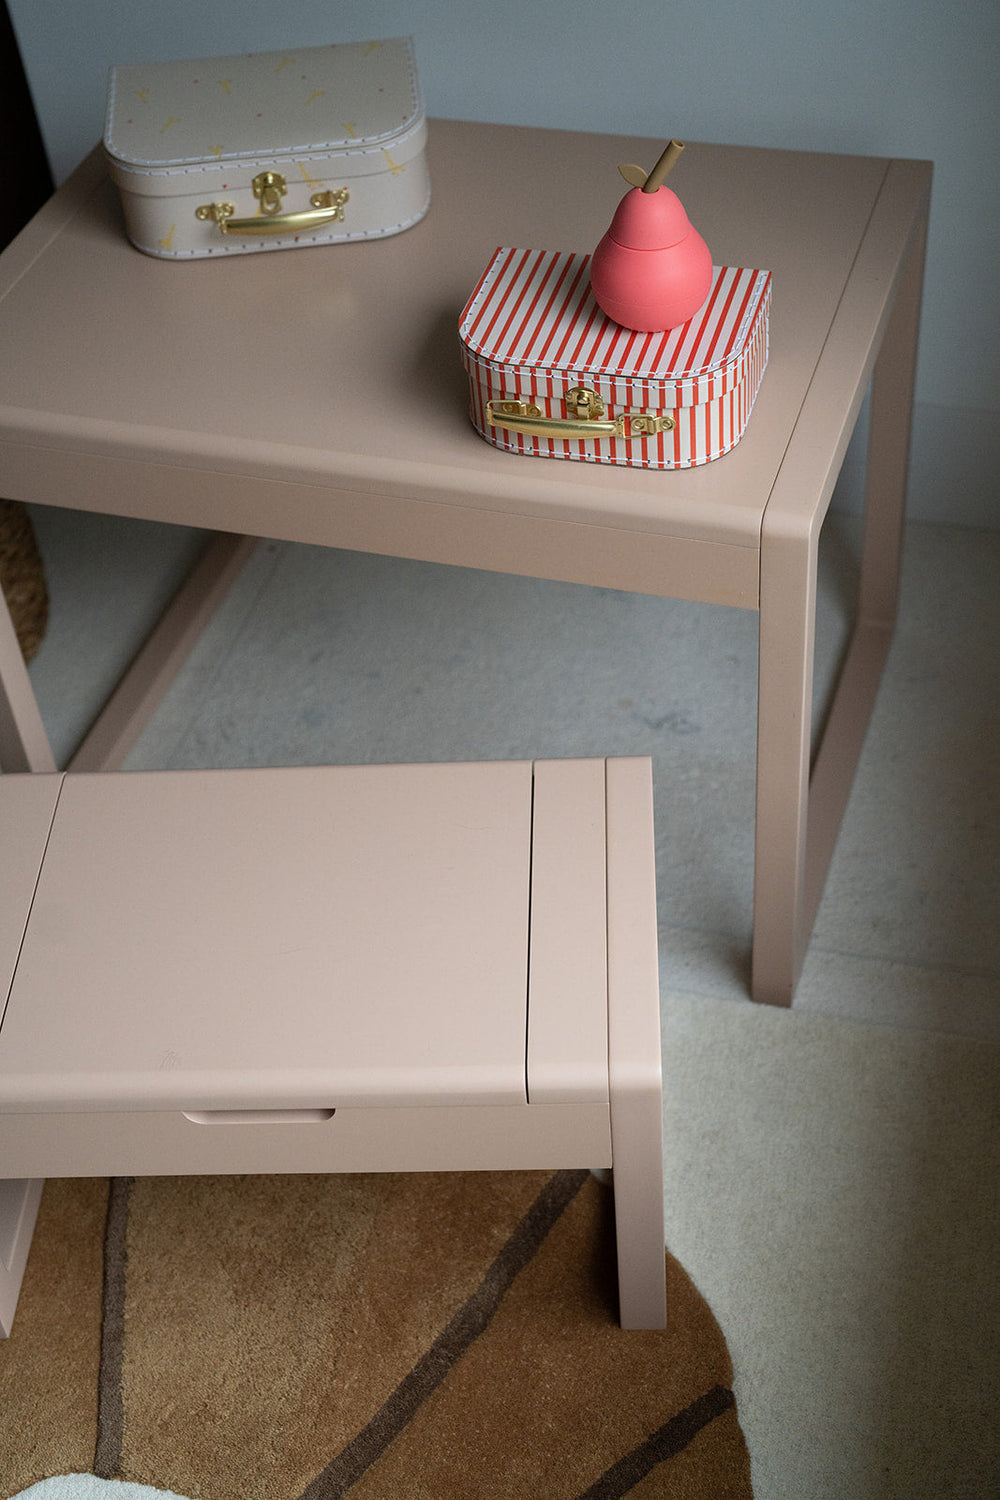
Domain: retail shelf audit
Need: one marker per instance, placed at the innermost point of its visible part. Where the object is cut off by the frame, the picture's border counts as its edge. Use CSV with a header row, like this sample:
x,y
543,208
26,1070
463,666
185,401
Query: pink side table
x,y
317,396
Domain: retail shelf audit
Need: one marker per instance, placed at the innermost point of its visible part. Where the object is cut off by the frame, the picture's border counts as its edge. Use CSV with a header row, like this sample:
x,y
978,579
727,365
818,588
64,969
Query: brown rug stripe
x,y
465,1327
669,1440
110,1395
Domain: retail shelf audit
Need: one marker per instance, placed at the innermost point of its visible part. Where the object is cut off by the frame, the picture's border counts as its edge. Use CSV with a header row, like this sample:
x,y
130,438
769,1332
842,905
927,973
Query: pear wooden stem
x,y
663,166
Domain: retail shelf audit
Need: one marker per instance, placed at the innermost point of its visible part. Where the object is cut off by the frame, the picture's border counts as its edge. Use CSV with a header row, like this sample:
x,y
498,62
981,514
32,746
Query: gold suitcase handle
x,y
269,188
589,421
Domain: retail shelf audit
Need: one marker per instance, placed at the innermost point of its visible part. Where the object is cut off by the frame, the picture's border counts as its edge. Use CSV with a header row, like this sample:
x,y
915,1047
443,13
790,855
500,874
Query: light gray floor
x,y
831,1171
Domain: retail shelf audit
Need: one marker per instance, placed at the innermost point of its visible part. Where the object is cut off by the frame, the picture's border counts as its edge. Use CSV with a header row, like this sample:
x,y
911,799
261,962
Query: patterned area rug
x,y
385,1336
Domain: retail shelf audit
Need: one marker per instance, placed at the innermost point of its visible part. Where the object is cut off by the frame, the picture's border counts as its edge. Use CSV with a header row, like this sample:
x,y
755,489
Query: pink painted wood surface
x,y
327,970
275,939
360,402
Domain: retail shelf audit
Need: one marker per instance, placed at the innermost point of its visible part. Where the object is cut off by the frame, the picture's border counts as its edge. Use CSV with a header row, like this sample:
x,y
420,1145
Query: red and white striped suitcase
x,y
552,376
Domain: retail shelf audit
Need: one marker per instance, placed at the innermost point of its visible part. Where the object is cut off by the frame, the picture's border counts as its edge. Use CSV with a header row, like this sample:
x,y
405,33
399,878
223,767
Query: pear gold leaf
x,y
632,174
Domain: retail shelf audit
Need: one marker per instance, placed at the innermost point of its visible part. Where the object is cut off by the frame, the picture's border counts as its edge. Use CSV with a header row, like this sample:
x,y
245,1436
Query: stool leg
x,y
635,1074
638,1189
19,1202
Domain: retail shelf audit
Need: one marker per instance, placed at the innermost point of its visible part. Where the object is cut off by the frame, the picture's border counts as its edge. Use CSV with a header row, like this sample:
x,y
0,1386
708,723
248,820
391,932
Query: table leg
x,y
24,745
134,700
800,809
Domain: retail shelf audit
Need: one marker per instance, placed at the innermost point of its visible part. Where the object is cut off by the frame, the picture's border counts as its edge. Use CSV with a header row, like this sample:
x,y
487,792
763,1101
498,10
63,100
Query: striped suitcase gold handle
x,y
589,421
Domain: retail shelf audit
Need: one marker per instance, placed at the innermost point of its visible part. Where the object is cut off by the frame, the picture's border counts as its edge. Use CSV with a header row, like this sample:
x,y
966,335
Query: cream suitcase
x,y
550,375
227,155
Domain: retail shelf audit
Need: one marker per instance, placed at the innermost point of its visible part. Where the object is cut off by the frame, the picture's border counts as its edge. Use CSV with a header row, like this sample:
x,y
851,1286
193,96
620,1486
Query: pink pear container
x,y
652,271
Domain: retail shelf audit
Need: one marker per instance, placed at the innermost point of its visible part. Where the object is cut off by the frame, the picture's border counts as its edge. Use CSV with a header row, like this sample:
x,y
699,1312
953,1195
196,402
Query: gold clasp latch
x,y
586,405
269,188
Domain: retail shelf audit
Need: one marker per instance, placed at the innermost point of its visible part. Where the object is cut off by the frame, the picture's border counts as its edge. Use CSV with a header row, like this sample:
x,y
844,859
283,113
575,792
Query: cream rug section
x,y
88,1487
834,1192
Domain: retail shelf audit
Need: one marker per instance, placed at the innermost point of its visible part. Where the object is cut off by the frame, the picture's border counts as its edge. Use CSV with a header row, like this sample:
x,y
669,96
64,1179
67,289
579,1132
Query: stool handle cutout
x,y
258,1116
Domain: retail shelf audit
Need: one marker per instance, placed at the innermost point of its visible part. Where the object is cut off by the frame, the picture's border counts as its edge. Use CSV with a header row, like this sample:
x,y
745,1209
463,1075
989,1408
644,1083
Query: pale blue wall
x,y
881,77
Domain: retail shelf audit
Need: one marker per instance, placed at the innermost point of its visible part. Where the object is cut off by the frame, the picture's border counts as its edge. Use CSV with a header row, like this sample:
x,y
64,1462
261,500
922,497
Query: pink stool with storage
x,y
338,969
